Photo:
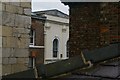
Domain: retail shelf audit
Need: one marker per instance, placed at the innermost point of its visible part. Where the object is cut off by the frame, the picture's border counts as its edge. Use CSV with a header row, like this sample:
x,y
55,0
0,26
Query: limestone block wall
x,y
16,23
0,40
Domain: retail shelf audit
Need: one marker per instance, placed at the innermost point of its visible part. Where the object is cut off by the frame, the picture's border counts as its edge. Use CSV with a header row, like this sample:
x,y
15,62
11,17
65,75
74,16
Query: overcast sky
x,y
38,5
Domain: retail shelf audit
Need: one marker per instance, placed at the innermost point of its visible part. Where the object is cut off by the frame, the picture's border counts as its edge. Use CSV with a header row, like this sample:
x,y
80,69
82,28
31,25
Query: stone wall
x,y
0,39
16,22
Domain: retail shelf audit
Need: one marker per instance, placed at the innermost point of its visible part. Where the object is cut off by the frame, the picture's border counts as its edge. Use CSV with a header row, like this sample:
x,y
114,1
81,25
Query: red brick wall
x,y
92,25
84,30
38,26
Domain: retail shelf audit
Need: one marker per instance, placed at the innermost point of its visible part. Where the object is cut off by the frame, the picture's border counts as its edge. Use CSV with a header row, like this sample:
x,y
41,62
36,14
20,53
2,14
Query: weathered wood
x,y
60,67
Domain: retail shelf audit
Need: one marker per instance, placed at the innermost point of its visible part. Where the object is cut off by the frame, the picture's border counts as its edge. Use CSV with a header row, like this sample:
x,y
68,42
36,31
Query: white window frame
x,y
33,44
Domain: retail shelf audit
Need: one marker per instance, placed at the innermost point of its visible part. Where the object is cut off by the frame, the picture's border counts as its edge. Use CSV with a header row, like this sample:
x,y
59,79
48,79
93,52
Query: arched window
x,y
67,49
55,47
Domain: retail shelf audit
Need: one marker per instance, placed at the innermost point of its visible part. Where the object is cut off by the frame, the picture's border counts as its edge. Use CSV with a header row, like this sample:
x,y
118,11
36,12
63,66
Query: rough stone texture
x,y
15,37
0,42
11,8
5,60
27,11
16,3
20,10
8,19
0,30
12,61
0,19
6,51
22,60
25,4
7,31
0,69
6,69
22,53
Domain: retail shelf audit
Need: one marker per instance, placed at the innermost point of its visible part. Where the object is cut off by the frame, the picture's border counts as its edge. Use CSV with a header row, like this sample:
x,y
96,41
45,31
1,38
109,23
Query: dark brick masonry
x,y
93,25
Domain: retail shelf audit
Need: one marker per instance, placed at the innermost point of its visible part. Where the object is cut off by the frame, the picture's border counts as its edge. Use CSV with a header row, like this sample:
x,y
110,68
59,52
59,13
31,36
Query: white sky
x,y
38,5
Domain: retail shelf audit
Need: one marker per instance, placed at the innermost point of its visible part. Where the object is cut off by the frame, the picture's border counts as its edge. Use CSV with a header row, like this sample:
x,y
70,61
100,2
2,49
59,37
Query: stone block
x,y
15,2
19,21
0,30
25,0
6,52
11,8
20,10
8,19
22,43
9,42
22,60
27,11
0,41
0,69
26,4
7,31
22,30
6,1
2,7
27,22
25,36
6,69
5,60
4,42
0,55
0,18
21,52
12,60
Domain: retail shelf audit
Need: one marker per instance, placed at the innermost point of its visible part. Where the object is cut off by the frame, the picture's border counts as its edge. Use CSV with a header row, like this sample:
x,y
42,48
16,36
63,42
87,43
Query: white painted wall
x,y
55,27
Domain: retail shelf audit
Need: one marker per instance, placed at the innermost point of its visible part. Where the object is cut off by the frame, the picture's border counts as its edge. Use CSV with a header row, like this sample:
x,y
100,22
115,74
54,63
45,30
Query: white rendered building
x,y
56,35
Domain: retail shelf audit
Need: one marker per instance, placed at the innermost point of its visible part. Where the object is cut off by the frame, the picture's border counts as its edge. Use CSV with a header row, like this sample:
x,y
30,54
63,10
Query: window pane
x,y
32,36
55,47
67,48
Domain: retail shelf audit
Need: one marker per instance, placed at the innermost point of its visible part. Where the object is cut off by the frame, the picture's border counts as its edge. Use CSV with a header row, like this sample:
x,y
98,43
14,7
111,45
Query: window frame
x,y
55,50
33,36
67,48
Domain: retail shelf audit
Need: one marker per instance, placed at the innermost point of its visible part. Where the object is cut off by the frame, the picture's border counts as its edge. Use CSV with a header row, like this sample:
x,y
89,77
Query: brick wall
x,y
109,19
16,23
92,25
84,30
38,26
